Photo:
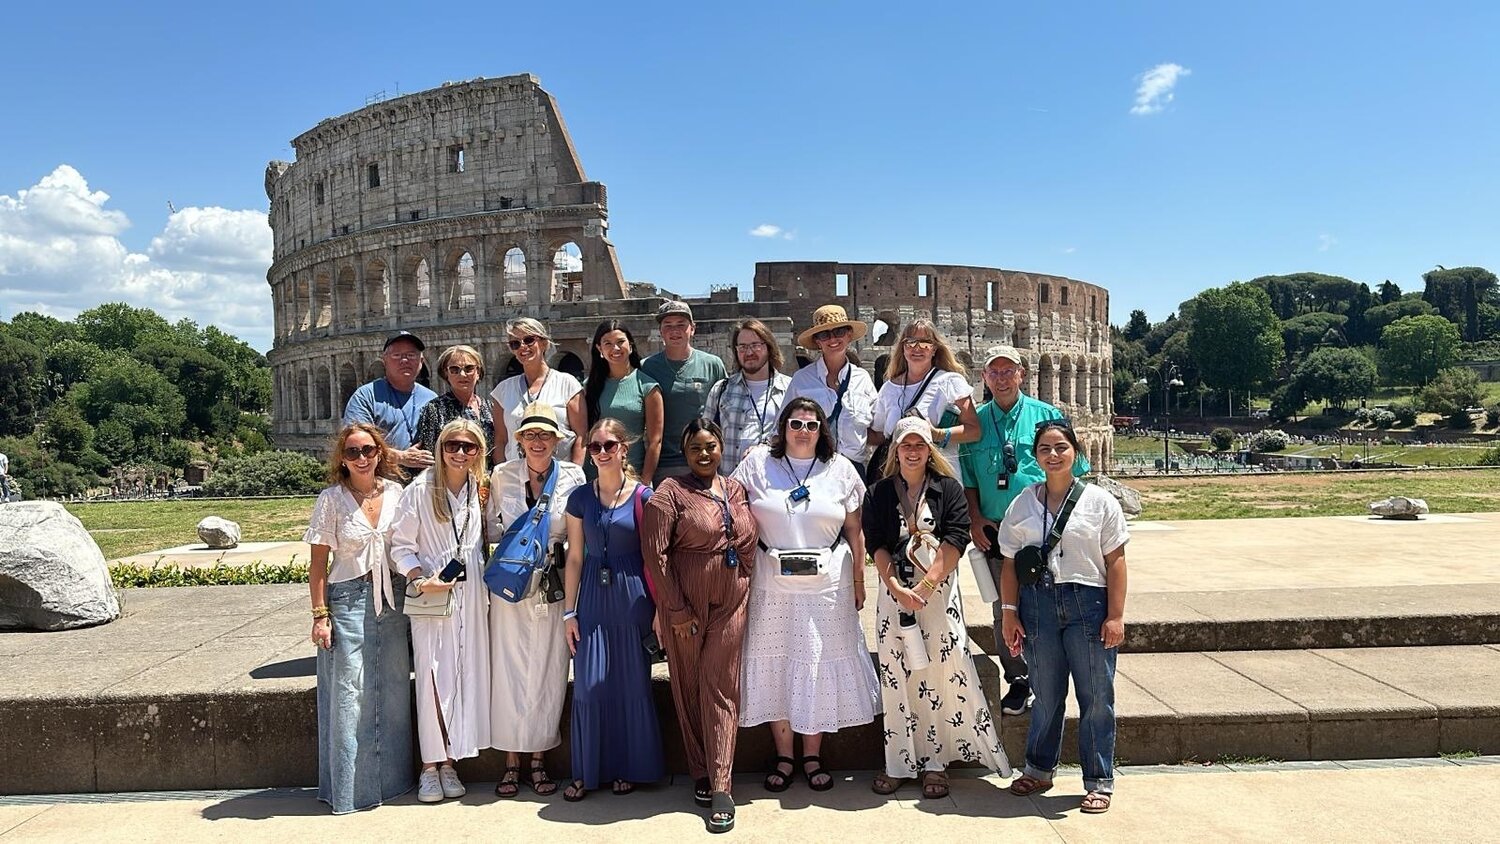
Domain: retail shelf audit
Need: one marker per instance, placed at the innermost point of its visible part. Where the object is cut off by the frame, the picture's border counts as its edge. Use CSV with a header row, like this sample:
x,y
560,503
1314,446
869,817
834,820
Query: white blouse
x,y
558,388
508,497
942,392
356,548
853,424
421,542
1096,528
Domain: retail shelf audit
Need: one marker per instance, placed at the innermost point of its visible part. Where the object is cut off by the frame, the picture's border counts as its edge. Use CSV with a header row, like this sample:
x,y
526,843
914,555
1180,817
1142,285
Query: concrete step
x,y
214,688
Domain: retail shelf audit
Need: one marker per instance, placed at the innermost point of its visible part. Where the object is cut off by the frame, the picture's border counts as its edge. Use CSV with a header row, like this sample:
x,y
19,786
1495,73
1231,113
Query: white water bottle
x,y
980,563
914,645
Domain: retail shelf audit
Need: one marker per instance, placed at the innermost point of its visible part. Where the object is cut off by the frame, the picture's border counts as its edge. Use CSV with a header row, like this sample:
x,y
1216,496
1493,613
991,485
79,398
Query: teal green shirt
x,y
983,462
684,391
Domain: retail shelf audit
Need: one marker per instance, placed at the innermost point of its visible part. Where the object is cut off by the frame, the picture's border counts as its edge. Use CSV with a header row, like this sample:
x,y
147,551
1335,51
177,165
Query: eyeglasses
x,y
1060,422
841,331
355,452
608,447
919,344
533,434
810,425
1004,374
455,446
406,357
749,347
528,340
463,370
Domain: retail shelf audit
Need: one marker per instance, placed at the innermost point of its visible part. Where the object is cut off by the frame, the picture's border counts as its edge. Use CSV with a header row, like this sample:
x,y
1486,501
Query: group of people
x,y
729,520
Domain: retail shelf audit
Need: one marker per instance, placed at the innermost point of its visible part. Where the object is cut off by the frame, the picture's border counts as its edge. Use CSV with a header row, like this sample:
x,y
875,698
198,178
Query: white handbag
x,y
420,604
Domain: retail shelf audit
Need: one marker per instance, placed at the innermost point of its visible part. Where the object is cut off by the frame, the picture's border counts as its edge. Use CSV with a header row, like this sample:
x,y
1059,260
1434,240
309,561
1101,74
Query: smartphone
x,y
653,647
454,571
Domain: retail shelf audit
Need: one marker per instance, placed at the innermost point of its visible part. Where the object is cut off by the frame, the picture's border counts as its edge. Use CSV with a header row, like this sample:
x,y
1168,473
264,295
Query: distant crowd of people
x,y
728,522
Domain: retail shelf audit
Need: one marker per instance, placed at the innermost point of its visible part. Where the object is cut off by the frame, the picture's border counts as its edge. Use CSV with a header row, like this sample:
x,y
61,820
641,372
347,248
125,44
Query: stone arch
x,y
346,294
375,369
570,363
416,283
301,303
323,393
377,288
513,276
322,304
1065,382
304,393
567,272
348,382
1046,382
461,274
892,326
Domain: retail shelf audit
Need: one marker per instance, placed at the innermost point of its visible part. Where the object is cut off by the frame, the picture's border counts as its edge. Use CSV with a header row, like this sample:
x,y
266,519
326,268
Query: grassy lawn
x,y
1447,454
124,528
1265,496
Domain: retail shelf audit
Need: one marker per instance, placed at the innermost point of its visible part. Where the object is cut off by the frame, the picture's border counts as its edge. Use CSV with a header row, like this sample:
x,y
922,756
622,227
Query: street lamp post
x,y
1169,379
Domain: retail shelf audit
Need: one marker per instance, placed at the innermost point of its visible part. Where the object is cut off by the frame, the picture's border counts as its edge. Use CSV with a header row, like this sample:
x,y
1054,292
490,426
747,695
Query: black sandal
x,y
701,793
622,787
816,772
509,784
776,781
575,791
722,817
544,787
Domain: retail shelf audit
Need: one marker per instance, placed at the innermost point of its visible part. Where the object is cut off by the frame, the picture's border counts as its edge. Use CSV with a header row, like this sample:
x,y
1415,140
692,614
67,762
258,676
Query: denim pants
x,y
1062,623
364,701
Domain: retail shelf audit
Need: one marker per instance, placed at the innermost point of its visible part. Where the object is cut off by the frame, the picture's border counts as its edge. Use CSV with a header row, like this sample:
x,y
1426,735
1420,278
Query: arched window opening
x,y
377,288
463,285
513,277
347,292
567,273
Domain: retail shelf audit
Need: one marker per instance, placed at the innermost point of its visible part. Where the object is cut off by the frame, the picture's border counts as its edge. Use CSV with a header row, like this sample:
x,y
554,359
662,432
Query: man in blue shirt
x,y
394,403
995,470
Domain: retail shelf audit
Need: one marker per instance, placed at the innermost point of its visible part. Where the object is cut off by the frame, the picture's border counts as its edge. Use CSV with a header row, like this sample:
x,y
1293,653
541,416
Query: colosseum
x,y
449,211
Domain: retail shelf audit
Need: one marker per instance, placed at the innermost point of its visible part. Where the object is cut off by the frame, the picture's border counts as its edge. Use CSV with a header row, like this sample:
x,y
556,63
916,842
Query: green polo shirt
x,y
982,462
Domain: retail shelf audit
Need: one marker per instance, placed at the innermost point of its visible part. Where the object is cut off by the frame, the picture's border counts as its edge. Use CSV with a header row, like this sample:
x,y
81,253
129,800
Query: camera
x,y
1008,454
800,494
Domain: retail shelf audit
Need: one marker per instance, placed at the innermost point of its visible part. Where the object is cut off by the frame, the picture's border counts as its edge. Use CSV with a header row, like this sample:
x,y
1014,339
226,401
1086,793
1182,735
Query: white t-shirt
x,y
941,393
558,388
1096,527
4,465
834,491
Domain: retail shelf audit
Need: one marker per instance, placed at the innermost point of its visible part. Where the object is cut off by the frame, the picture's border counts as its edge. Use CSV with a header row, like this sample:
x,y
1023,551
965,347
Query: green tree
x,y
128,391
20,377
202,378
1137,327
1417,348
1412,304
116,325
1389,292
1235,338
41,330
1454,390
70,362
1305,332
267,473
1457,294
70,434
1336,376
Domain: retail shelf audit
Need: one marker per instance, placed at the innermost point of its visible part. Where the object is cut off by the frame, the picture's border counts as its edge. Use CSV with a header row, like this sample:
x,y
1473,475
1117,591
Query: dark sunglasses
x,y
608,447
841,331
528,340
455,446
470,369
1063,422
355,452
812,425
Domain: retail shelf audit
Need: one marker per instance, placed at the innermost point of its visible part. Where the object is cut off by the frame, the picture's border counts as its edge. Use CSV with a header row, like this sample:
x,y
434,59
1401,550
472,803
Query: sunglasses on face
x,y
810,425
528,340
470,369
841,331
919,344
455,446
607,446
534,434
355,452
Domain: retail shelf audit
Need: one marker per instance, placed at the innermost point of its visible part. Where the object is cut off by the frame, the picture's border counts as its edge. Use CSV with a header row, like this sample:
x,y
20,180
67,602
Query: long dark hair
x,y
599,367
825,449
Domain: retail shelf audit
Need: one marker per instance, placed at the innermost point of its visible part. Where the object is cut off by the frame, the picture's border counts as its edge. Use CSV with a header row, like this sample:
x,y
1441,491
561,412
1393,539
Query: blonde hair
x,y
387,467
937,463
440,468
942,354
527,325
616,429
454,351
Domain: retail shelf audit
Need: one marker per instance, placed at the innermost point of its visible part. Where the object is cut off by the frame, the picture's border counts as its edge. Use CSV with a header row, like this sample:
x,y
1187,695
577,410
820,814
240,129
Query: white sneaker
x,y
429,790
451,786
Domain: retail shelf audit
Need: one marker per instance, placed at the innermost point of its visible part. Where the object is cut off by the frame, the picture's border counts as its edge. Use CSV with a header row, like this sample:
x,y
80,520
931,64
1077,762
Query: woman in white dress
x,y
806,666
916,521
440,520
538,382
528,650
924,379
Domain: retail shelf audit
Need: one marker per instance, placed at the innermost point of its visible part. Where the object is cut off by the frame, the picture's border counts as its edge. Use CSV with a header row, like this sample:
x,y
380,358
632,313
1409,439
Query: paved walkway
x,y
1425,800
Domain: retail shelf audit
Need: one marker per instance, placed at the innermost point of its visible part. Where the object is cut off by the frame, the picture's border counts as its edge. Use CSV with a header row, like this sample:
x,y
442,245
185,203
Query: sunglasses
x,y
355,452
455,446
920,344
463,370
1062,422
528,340
608,447
810,425
841,331
535,434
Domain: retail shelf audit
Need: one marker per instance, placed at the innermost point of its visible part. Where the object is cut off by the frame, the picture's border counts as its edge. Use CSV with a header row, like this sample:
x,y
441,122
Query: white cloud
x,y
60,253
769,230
1069,250
1327,242
1155,91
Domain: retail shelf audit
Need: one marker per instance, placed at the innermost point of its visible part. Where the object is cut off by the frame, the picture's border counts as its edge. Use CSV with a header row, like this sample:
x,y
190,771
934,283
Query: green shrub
x,y
1460,420
1405,413
1222,439
1490,457
266,473
137,576
1492,416
1382,418
1269,440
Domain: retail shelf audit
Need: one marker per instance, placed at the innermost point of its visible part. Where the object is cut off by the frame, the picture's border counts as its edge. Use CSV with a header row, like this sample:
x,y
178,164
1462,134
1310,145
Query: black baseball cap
x,y
407,336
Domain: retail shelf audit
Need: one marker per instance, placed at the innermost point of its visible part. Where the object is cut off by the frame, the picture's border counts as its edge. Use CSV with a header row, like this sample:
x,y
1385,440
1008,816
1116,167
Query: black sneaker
x,y
1017,699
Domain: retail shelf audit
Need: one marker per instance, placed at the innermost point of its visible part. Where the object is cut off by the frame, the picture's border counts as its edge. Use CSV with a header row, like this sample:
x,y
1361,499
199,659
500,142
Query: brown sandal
x,y
934,784
510,783
1026,785
1095,803
884,784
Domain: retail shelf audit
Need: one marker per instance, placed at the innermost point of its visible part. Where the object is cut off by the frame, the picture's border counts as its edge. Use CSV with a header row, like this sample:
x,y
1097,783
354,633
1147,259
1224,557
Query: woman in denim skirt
x,y
1070,617
364,654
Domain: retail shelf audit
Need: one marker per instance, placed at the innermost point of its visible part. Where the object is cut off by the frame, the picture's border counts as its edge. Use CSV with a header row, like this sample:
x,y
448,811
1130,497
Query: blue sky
x,y
1349,138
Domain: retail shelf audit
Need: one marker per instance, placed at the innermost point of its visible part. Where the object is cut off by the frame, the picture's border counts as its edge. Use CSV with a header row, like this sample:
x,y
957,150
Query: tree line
x,y
1310,337
121,392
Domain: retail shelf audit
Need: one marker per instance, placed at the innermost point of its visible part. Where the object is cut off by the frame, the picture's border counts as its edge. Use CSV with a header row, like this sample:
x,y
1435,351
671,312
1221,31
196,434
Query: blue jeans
x,y
1062,623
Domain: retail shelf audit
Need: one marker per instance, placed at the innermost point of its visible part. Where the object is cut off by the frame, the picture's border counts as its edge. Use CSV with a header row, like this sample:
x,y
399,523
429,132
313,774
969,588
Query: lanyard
x,y
458,533
731,557
606,511
912,522
760,412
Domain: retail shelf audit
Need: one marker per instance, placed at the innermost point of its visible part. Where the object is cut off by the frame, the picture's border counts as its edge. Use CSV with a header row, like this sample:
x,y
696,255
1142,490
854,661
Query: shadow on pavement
x,y
263,805
302,666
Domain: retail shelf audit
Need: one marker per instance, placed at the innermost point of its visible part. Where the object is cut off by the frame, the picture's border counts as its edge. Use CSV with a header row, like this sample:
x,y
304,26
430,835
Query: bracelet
x,y
569,615
947,435
321,612
1011,607
926,581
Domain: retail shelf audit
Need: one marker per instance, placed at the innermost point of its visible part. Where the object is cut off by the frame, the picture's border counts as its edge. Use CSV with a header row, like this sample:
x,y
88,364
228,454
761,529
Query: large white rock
x,y
1130,500
219,533
52,574
1398,507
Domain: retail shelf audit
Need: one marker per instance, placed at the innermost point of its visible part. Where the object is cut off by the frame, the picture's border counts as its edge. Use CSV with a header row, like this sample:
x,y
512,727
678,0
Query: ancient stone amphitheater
x,y
449,211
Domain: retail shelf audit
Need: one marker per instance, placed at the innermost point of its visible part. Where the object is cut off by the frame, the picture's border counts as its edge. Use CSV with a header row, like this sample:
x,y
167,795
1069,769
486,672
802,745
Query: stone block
x,y
265,740
217,532
47,747
1399,507
156,744
52,574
